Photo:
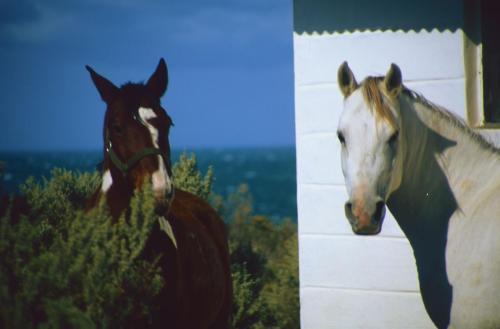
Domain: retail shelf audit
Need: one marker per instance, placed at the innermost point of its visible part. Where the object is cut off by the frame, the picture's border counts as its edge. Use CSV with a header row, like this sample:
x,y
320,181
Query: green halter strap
x,y
124,167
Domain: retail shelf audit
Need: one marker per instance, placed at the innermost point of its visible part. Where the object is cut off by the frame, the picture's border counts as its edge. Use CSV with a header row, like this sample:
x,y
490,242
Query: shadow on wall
x,y
328,16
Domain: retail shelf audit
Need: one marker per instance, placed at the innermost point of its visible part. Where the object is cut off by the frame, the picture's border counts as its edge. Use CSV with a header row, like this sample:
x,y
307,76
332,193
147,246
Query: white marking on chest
x,y
107,180
167,228
160,179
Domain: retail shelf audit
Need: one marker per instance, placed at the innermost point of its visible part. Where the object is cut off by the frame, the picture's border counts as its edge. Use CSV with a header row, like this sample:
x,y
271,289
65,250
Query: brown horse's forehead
x,y
132,97
161,114
123,108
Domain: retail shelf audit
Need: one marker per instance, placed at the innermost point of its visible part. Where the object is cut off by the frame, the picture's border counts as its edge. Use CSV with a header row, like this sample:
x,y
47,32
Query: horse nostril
x,y
379,211
348,208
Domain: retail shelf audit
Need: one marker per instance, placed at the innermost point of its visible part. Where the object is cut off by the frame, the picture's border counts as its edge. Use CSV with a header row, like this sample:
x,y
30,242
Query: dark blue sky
x,y
230,65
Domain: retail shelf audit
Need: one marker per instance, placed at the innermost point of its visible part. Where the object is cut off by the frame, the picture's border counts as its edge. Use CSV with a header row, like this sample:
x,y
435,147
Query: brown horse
x,y
194,257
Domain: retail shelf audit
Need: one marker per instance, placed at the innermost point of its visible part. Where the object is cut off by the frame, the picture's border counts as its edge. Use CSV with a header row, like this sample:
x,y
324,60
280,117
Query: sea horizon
x,y
267,170
174,148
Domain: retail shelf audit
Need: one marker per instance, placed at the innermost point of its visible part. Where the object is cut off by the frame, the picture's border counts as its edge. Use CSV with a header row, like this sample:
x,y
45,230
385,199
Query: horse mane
x,y
378,101
373,96
452,119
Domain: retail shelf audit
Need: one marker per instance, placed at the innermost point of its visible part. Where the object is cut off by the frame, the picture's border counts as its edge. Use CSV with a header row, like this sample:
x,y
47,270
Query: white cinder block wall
x,y
349,281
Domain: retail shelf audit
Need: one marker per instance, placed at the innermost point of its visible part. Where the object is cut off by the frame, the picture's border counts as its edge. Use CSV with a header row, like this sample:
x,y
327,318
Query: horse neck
x,y
442,170
441,156
434,157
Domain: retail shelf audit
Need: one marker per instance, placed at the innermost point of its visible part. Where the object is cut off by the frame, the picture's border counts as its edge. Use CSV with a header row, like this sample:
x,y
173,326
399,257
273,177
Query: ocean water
x,y
269,172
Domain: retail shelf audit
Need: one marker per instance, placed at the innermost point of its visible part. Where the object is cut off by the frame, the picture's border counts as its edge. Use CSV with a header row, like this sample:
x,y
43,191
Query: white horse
x,y
440,179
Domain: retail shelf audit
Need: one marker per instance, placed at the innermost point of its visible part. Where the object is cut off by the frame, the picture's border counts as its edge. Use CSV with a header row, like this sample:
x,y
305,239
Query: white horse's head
x,y
369,133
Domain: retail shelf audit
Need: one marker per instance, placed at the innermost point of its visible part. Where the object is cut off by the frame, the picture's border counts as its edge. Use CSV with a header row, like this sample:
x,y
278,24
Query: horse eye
x,y
341,137
394,137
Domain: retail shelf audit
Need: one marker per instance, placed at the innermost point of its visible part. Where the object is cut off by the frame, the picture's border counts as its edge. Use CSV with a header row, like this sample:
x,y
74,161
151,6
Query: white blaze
x,y
161,181
367,162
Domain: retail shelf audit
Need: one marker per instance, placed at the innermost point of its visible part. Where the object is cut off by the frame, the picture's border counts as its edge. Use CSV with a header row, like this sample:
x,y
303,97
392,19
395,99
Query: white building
x,y
349,281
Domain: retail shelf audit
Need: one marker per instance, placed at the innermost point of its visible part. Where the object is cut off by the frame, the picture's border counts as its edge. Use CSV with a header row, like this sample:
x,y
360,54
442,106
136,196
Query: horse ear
x,y
106,88
346,80
393,80
159,80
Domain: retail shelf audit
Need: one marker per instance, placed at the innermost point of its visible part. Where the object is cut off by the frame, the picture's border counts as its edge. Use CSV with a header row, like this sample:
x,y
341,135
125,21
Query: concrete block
x,y
350,309
318,159
421,56
317,108
357,262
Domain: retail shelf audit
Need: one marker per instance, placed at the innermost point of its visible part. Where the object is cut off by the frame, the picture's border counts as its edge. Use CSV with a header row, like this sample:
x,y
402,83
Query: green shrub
x,y
61,267
189,178
264,258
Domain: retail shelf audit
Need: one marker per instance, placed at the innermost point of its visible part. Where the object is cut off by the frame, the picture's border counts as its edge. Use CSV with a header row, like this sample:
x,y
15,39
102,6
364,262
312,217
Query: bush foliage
x,y
62,267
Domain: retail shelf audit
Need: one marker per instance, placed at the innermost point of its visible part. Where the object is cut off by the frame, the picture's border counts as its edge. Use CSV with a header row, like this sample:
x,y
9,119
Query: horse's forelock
x,y
374,98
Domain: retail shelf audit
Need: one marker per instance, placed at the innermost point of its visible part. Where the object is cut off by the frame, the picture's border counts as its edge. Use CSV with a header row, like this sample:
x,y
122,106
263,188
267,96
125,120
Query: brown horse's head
x,y
136,128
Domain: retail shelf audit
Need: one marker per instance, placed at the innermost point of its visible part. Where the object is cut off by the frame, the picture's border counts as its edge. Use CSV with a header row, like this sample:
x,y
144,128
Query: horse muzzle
x,y
363,222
